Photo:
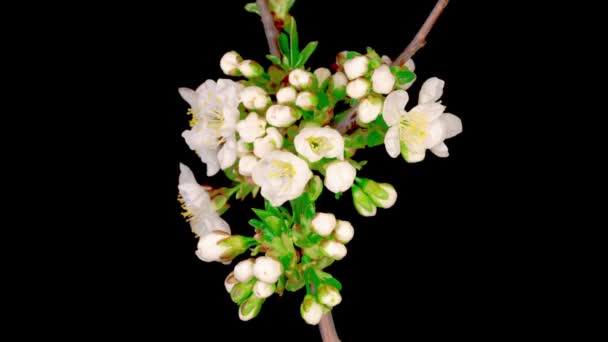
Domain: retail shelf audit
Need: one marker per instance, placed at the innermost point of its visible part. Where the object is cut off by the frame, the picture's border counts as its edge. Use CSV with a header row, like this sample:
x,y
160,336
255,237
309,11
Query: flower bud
x,y
221,246
356,67
344,231
246,165
281,116
272,141
369,108
230,282
358,88
263,290
286,95
311,310
243,271
243,148
241,291
251,69
307,100
339,176
250,308
334,249
254,97
383,80
363,204
328,295
252,127
339,79
267,269
230,63
382,195
301,79
323,223
322,74
410,65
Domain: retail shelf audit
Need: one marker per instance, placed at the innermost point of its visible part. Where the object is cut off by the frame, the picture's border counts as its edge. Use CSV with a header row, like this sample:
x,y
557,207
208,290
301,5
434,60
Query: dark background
x,y
433,265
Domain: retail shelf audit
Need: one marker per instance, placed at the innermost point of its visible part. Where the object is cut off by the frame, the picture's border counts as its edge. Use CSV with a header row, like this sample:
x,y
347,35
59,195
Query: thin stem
x,y
420,39
328,329
416,44
272,34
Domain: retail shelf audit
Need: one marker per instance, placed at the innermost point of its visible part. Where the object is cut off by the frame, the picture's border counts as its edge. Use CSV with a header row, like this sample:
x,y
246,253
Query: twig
x,y
420,39
272,34
327,328
416,44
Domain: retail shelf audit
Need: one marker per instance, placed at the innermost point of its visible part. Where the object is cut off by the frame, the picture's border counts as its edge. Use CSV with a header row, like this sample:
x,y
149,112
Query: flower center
x,y
320,145
282,169
413,128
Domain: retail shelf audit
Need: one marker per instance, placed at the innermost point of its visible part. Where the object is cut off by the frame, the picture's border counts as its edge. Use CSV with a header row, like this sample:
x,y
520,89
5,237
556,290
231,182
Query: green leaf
x,y
295,281
323,100
281,285
284,44
256,224
334,282
405,76
375,138
275,60
306,53
292,30
262,214
252,7
352,54
358,165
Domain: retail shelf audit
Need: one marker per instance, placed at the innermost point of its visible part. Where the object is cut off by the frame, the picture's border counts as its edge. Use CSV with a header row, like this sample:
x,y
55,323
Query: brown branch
x,y
327,328
420,39
272,34
416,44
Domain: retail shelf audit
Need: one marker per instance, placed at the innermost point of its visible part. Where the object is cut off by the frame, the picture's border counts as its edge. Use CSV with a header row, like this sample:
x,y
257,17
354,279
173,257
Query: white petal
x,y
452,124
431,90
411,66
435,134
186,175
414,157
392,142
430,110
394,105
189,96
227,154
441,150
246,164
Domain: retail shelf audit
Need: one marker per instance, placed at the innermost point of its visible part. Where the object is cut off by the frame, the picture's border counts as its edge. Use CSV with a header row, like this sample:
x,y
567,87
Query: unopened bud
x,y
363,204
383,80
281,116
267,269
323,223
251,69
358,88
230,63
369,109
329,295
322,74
286,95
263,290
250,308
254,97
243,271
334,249
307,100
230,282
311,310
301,79
344,231
356,67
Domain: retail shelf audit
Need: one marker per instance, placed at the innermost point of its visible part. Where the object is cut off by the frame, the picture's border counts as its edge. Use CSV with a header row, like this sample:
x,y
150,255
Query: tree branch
x,y
272,34
416,44
420,39
327,328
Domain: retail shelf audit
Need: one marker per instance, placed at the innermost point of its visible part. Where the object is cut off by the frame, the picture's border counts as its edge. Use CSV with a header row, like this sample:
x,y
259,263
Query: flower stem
x,y
272,34
328,329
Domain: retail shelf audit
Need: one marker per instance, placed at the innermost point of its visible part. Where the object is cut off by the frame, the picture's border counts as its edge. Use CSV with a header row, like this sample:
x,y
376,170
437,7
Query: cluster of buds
x,y
336,234
369,195
233,64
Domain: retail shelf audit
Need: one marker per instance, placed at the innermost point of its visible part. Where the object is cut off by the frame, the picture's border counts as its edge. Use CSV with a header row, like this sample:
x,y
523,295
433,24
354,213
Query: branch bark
x,y
272,34
327,328
420,39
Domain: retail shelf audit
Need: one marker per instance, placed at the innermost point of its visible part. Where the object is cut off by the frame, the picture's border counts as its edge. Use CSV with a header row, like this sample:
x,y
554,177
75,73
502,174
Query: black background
x,y
433,265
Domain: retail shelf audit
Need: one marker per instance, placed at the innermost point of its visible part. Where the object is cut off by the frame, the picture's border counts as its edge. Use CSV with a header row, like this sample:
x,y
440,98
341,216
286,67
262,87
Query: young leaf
x,y
284,44
256,223
275,60
375,138
306,53
252,7
292,30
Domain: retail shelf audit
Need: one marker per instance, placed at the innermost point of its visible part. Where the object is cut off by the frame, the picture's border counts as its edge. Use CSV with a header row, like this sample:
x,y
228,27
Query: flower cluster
x,y
275,131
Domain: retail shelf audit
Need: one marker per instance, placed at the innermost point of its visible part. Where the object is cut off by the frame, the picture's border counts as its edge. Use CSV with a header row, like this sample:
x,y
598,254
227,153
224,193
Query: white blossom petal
x,y
189,96
394,106
392,142
430,110
435,134
441,150
452,124
431,90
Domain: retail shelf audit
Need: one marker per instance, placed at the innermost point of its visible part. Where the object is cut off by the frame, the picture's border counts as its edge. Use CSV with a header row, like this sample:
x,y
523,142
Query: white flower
x,y
263,290
358,88
209,248
281,116
369,108
344,231
202,216
230,282
339,176
250,69
301,79
242,148
246,164
334,249
282,177
424,127
254,97
271,142
267,269
306,100
286,95
322,74
215,113
252,127
315,143
310,310
339,79
243,271
356,67
230,63
383,80
329,295
323,223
